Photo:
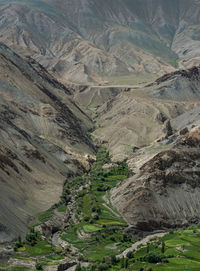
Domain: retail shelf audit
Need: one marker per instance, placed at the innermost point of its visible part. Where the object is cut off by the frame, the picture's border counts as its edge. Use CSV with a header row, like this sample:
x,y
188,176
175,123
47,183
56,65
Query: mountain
x,y
116,41
99,133
43,141
135,117
164,192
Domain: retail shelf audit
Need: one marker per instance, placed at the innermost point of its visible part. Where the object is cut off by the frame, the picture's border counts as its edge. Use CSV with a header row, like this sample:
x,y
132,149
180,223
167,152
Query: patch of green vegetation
x,y
111,222
62,208
45,216
21,249
39,249
19,268
100,251
52,263
176,251
103,227
91,228
55,257
71,235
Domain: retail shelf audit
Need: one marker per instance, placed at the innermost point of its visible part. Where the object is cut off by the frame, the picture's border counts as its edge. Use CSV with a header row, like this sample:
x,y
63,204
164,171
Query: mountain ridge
x,y
103,41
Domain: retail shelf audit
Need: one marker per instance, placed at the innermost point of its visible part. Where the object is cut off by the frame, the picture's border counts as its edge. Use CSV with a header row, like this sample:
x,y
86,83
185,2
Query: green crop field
x,y
98,232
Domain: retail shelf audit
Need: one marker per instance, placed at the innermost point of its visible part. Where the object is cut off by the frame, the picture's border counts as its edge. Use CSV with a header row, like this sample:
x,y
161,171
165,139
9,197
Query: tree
x,y
163,247
148,248
102,267
38,266
154,257
122,262
130,255
18,244
126,263
32,237
113,260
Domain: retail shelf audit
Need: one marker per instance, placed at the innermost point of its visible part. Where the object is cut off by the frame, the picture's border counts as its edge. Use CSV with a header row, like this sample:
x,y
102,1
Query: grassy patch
x,y
55,257
71,236
21,249
45,216
62,209
91,228
110,222
182,252
19,268
41,248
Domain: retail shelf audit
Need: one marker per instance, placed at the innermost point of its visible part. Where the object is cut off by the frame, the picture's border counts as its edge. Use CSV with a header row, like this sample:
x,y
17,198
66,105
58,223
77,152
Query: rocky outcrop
x,y
179,85
56,223
165,192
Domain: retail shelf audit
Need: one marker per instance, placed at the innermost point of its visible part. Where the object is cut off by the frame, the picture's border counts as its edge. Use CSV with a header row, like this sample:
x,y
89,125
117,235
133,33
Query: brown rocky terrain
x,y
164,192
119,41
43,141
136,117
107,47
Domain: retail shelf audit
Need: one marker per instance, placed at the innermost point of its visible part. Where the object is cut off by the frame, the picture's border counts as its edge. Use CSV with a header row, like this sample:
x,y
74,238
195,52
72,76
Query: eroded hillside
x,y
43,141
115,41
164,191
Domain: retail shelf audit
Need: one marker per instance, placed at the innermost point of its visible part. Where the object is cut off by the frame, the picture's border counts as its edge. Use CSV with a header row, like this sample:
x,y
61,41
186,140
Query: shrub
x,y
18,244
126,238
122,262
86,218
38,266
32,237
163,247
102,267
130,255
113,260
154,257
148,248
126,263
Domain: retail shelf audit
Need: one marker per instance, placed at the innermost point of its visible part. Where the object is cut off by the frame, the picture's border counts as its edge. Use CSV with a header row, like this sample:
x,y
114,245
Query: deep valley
x,y
99,135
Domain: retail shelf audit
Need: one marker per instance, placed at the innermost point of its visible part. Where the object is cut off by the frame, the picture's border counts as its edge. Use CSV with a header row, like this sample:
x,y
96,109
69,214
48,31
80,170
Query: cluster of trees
x,y
125,262
31,238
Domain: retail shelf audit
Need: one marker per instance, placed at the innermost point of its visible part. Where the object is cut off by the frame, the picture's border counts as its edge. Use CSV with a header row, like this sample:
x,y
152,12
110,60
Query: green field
x,y
41,248
91,228
45,216
100,228
181,253
98,232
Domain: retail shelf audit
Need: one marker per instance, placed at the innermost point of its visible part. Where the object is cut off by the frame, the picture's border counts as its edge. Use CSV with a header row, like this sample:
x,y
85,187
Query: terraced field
x,y
95,232
99,231
180,251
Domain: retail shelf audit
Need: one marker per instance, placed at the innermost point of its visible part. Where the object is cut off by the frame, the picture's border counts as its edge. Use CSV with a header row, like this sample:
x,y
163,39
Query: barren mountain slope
x,y
139,116
164,192
104,39
42,141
